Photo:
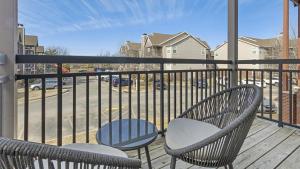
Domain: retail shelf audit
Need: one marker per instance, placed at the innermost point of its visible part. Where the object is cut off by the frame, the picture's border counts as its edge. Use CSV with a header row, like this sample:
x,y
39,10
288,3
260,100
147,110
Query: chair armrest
x,y
10,147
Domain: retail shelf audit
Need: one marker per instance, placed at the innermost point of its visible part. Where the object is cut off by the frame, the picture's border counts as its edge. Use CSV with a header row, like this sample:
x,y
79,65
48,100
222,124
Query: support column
x,y
8,46
233,39
298,43
285,42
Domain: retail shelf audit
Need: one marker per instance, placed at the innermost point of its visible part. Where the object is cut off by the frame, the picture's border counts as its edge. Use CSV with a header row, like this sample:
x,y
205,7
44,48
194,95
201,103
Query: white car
x,y
273,81
257,82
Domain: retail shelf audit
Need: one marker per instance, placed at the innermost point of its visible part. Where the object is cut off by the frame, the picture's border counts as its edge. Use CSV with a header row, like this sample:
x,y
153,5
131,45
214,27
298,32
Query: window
x,y
148,49
203,51
174,51
254,52
169,51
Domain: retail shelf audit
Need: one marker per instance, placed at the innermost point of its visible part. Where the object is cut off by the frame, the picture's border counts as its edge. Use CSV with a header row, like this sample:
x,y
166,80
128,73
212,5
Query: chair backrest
x,y
233,103
233,110
16,154
237,108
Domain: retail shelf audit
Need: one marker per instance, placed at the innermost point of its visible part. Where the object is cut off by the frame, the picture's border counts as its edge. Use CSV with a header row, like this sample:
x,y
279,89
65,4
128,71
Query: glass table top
x,y
127,134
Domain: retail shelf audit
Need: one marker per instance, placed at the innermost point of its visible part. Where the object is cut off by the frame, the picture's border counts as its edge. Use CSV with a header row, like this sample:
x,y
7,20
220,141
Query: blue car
x,y
201,83
123,82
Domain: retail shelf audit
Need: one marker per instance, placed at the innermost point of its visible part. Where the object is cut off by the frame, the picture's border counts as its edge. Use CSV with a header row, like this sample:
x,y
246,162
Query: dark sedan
x,y
123,82
201,83
158,85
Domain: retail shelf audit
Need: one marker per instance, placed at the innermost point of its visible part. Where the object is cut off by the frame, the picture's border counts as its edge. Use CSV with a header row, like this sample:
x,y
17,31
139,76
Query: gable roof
x,y
263,43
204,43
190,36
178,35
157,38
134,46
31,40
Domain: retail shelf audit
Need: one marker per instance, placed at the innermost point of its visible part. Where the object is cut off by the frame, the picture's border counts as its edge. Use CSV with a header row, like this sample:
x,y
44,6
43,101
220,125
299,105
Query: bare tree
x,y
56,50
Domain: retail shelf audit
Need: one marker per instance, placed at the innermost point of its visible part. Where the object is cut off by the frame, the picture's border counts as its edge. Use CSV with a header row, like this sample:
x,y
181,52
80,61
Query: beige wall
x,y
245,52
187,49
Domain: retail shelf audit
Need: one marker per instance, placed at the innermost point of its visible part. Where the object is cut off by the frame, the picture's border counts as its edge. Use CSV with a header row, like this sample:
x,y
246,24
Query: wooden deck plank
x,y
257,127
258,137
266,146
293,161
247,157
278,154
179,164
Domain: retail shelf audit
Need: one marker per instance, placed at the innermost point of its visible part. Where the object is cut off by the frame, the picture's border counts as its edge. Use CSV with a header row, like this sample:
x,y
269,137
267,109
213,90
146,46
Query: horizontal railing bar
x,y
32,76
269,61
270,70
105,59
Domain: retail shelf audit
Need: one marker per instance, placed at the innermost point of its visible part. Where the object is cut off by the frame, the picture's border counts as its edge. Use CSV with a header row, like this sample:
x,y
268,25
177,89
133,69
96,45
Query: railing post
x,y
162,98
215,78
280,124
8,46
59,105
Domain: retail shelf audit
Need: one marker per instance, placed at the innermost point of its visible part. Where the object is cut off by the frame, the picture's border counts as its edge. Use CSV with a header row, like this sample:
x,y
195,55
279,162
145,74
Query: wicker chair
x,y
15,154
211,133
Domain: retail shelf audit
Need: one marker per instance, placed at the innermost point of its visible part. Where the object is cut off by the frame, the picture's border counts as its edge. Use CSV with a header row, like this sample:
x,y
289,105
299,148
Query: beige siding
x,y
187,49
246,52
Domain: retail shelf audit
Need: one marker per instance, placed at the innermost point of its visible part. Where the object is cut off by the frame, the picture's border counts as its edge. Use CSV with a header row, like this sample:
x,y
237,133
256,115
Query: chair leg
x,y
230,166
173,163
139,153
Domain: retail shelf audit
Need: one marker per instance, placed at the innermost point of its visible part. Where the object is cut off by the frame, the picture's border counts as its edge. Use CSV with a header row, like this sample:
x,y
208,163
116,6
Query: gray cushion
x,y
95,148
184,132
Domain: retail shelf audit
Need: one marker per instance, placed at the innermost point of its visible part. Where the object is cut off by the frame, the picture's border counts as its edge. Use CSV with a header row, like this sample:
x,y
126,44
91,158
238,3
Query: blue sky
x,y
92,27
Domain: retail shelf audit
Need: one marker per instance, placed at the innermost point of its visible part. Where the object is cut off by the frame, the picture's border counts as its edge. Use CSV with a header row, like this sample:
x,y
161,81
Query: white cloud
x,y
69,15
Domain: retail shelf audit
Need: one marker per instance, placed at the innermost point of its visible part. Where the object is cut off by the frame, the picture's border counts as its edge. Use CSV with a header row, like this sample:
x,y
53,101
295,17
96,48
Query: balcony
x,y
59,108
93,99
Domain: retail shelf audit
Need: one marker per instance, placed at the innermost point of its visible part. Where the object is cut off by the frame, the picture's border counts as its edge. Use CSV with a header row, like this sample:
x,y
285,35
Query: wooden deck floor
x,y
267,146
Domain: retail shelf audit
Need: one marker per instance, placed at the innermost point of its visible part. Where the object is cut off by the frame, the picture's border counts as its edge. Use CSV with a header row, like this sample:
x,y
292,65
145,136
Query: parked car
x,y
273,81
158,85
201,83
49,84
268,107
106,77
257,82
123,82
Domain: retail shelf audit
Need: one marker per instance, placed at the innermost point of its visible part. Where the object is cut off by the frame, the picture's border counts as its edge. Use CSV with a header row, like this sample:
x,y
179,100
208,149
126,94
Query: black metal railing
x,y
279,82
157,94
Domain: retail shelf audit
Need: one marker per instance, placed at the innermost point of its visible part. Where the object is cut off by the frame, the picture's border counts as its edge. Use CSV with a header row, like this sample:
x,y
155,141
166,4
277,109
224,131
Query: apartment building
x,y
158,45
255,48
130,49
29,45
